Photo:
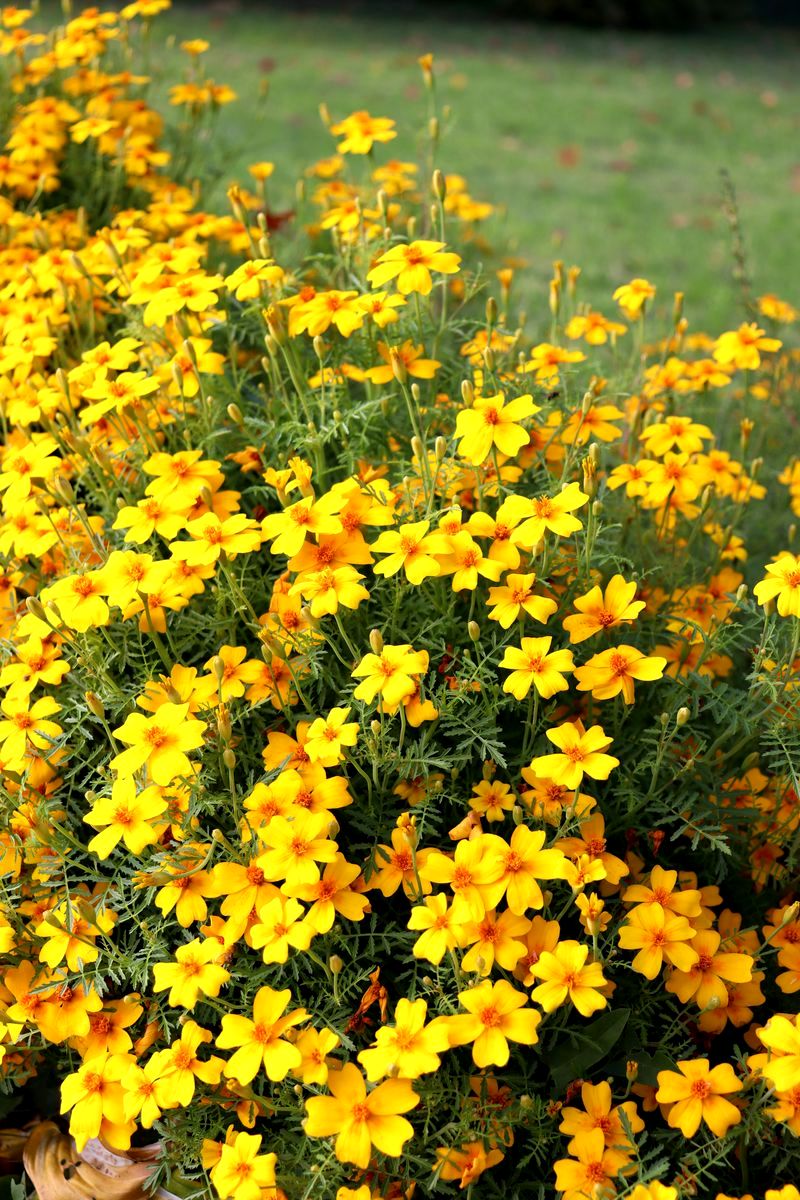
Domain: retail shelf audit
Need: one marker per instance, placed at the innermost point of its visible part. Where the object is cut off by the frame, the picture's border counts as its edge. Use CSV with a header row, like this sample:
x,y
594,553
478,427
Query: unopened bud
x,y
235,414
375,728
319,347
376,641
439,185
488,358
336,964
218,667
467,392
417,447
598,508
433,129
229,758
95,704
631,1071
440,448
224,724
398,366
35,608
474,631
325,114
491,311
682,716
741,592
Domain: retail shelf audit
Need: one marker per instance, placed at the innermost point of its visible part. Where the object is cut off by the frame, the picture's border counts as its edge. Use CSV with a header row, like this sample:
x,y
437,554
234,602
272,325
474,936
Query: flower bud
x,y
491,311
474,631
319,347
95,704
229,758
488,358
376,641
336,964
224,724
682,716
433,129
35,608
398,366
439,185
440,448
467,392
218,667
235,414
631,1071
375,728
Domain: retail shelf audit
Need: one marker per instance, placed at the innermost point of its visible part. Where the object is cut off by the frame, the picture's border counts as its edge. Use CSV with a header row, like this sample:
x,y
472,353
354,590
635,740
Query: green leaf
x,y
582,1048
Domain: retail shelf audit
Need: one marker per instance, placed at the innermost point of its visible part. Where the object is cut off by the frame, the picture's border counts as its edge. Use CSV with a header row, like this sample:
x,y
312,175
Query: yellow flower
x,y
329,588
696,1093
407,1049
533,664
94,1094
361,1119
600,1114
160,742
440,931
593,1171
675,433
516,596
740,347
260,1043
493,423
552,514
566,975
782,581
581,754
25,727
522,862
658,935
412,548
599,610
289,529
195,972
246,281
327,737
412,264
127,817
633,296
212,537
390,675
546,359
244,1174
360,131
496,1014
613,671
407,354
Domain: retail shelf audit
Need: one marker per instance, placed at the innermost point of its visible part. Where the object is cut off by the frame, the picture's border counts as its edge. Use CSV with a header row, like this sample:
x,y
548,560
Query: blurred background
x,y
598,128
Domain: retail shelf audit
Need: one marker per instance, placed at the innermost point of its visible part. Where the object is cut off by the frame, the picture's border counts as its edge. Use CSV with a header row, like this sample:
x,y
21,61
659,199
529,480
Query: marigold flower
x,y
594,1169
658,935
493,422
566,975
600,1114
360,131
496,1014
411,547
782,581
125,816
613,671
599,610
243,1173
704,982
741,347
411,265
195,973
532,664
633,296
581,754
409,1048
516,596
361,1119
160,742
696,1092
260,1042
389,675
94,1094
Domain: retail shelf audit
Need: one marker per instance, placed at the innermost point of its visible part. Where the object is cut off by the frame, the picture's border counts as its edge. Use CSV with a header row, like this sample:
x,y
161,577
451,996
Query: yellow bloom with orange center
x,y
781,584
581,753
160,742
196,972
599,610
743,347
413,548
259,1043
411,265
493,423
565,976
632,297
659,936
496,1014
613,671
359,132
533,665
361,1119
697,1093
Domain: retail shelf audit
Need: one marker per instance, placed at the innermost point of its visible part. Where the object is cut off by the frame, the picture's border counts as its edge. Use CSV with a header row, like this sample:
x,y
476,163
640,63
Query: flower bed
x,y
400,716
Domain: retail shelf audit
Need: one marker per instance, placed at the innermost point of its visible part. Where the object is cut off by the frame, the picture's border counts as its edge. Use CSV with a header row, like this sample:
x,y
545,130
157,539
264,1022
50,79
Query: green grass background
x,y
601,148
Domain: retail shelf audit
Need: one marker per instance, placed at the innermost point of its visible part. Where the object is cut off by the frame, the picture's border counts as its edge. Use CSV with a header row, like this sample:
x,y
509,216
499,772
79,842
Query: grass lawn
x,y
603,149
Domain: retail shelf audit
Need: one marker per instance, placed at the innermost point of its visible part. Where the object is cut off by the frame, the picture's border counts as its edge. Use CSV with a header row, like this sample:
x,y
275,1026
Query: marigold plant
x,y
400,714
